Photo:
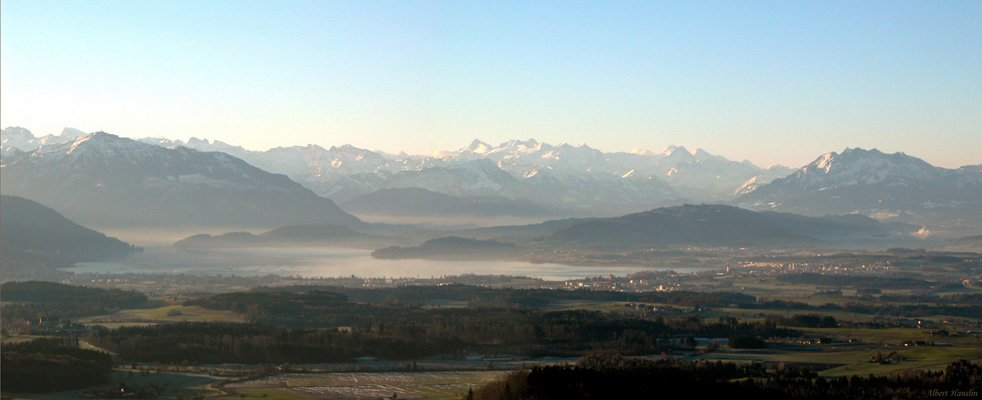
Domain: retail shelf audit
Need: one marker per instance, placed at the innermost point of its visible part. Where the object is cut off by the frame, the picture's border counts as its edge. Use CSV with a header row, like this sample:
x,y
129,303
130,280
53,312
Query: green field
x,y
929,357
157,313
853,359
846,356
11,339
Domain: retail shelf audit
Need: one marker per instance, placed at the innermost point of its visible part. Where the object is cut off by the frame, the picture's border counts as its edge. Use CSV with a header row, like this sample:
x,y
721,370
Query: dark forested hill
x,y
27,226
719,225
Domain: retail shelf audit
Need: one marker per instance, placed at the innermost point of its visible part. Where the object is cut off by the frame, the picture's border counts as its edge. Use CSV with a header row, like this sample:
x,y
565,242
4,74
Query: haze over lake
x,y
328,262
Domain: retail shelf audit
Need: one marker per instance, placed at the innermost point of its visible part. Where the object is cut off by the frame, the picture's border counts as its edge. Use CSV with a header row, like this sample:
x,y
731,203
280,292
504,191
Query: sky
x,y
773,82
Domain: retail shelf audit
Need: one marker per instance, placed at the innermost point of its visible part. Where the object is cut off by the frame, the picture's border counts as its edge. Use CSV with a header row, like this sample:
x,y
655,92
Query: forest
x,y
608,375
33,301
508,297
421,333
51,365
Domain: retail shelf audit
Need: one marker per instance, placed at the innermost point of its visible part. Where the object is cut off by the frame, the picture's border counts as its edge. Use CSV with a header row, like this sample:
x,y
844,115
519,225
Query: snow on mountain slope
x,y
858,166
15,137
20,139
105,180
871,182
578,176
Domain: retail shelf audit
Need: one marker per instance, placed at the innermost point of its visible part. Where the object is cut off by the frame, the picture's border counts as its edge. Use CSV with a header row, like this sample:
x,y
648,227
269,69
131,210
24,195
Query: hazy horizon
x,y
439,152
268,264
769,83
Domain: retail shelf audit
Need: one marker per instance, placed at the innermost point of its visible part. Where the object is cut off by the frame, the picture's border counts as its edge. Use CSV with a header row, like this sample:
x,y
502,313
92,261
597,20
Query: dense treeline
x,y
34,299
307,309
302,305
51,292
855,281
914,310
804,321
270,302
325,309
453,332
51,365
894,310
390,325
613,377
521,297
209,343
960,298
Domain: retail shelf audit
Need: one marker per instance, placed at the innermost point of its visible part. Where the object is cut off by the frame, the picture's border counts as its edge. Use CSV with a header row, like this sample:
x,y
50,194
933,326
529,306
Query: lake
x,y
326,262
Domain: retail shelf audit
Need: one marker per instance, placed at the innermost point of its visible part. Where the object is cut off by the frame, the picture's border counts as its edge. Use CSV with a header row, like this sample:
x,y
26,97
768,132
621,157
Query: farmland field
x,y
853,360
345,386
174,385
159,313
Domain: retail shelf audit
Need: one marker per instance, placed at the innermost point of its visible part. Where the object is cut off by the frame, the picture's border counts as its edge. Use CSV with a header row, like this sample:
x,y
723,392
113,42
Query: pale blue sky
x,y
772,82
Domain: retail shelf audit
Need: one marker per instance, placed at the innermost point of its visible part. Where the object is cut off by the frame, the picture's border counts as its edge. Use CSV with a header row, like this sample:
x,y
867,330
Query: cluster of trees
x,y
387,323
397,333
318,309
746,342
896,310
215,343
519,298
257,304
959,298
29,301
893,357
856,281
330,306
51,365
915,310
802,320
612,376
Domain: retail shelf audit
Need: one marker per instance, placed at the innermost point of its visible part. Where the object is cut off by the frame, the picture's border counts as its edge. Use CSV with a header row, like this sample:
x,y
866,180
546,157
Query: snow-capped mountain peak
x,y
477,147
873,183
101,177
96,145
71,134
855,166
24,141
15,137
571,175
642,152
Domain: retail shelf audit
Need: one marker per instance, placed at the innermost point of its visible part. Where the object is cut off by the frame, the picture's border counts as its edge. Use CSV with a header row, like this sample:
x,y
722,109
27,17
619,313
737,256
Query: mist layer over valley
x,y
350,200
362,275
327,262
530,202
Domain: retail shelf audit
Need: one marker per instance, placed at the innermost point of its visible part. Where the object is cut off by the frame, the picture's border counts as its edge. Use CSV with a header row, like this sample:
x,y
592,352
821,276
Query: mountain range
x,y
18,140
104,180
869,182
538,177
564,175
